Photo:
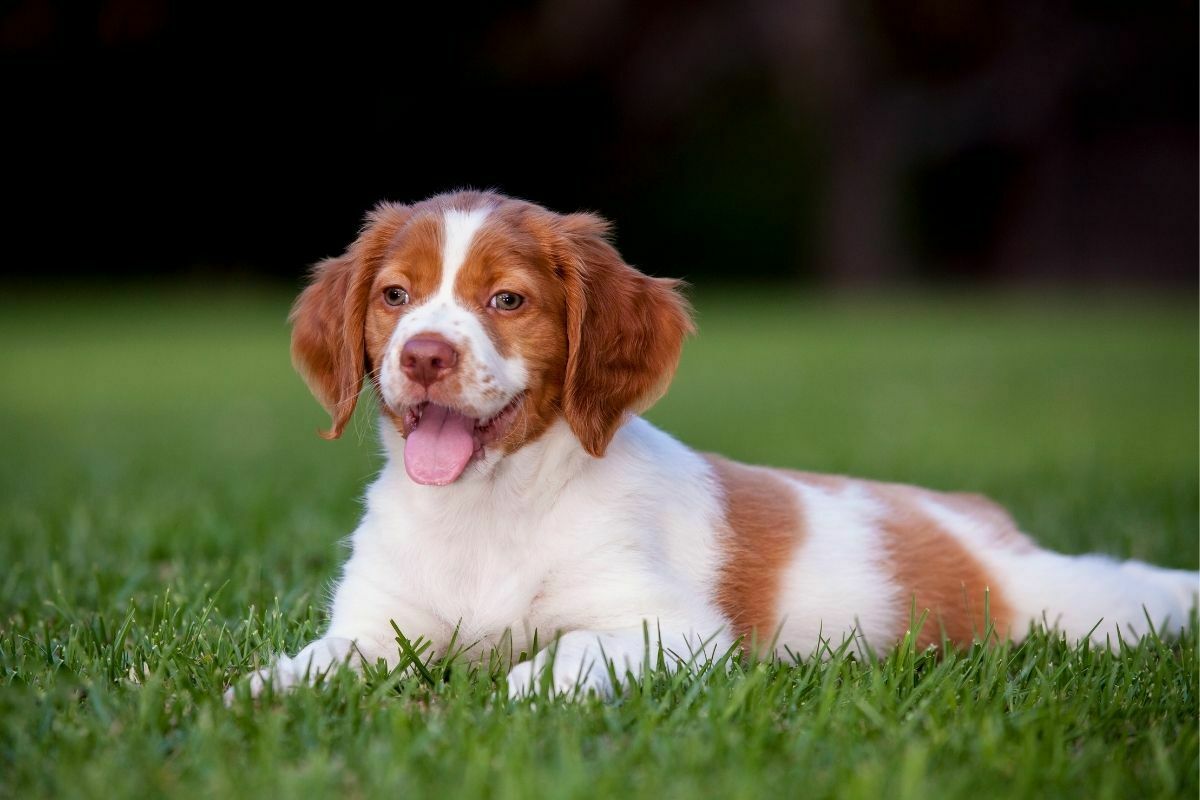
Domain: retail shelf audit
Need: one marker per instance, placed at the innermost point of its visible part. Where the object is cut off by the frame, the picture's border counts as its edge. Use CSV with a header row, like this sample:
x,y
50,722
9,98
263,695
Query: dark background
x,y
829,141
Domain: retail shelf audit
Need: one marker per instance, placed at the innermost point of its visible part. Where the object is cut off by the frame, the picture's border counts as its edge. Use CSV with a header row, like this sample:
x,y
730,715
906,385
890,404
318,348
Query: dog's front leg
x,y
579,662
360,631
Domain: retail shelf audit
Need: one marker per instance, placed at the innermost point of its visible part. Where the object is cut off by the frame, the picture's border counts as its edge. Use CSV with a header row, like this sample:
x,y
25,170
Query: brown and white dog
x,y
511,349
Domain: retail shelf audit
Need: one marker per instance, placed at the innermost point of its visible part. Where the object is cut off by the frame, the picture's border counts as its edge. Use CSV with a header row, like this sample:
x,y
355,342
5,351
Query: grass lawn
x,y
168,516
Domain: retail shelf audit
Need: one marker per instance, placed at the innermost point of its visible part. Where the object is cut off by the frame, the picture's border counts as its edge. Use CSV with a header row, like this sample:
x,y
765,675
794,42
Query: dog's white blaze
x,y
458,231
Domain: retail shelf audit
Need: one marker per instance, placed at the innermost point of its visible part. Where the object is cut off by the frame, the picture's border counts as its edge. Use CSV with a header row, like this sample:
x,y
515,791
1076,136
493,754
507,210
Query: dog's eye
x,y
506,301
395,296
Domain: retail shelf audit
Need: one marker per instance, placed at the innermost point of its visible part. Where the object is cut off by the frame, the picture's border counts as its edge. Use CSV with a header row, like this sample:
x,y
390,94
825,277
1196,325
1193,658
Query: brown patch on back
x,y
990,513
764,528
936,573
986,511
830,483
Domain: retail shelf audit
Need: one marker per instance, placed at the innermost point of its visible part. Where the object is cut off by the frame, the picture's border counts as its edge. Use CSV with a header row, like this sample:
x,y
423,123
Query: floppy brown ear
x,y
329,318
625,331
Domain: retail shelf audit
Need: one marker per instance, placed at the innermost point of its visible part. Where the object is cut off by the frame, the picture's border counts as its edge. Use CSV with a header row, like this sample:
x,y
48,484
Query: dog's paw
x,y
525,680
283,675
577,669
307,666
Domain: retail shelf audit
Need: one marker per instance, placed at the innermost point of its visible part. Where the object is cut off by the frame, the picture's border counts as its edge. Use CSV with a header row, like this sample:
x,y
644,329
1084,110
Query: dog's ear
x,y
625,331
329,318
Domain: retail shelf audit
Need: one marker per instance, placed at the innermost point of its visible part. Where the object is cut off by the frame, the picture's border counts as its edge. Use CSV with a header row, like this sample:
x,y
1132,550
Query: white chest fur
x,y
550,539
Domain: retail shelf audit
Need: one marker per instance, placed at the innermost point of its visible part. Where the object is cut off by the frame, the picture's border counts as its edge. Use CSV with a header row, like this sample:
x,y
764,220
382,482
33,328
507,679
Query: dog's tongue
x,y
438,450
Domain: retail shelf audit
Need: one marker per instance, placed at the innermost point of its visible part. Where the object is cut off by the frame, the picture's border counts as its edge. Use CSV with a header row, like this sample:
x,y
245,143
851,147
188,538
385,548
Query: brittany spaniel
x,y
511,349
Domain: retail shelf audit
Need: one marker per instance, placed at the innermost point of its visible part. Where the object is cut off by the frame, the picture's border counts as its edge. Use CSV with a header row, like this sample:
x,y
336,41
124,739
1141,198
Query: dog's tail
x,y
1097,597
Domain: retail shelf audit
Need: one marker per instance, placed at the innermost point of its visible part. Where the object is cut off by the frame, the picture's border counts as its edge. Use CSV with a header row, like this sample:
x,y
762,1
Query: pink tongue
x,y
438,450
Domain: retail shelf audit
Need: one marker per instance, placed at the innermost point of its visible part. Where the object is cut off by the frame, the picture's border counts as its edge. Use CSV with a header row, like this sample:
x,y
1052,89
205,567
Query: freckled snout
x,y
427,359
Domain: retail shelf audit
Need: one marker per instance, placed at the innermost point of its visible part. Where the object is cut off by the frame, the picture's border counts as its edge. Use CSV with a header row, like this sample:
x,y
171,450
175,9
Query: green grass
x,y
168,516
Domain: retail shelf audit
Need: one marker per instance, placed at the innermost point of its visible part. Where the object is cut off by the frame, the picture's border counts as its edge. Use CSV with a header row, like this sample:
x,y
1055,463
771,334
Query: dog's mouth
x,y
442,441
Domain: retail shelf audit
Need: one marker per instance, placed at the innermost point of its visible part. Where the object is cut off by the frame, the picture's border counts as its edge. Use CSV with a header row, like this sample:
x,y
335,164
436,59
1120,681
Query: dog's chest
x,y
476,589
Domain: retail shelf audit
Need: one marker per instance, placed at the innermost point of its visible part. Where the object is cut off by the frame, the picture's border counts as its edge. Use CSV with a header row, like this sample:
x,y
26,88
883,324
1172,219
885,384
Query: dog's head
x,y
480,319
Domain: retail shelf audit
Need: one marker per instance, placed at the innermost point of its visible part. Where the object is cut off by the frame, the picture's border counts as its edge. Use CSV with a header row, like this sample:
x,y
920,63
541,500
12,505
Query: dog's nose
x,y
427,360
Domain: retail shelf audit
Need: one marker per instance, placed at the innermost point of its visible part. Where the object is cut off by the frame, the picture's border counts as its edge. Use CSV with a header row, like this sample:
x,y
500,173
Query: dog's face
x,y
480,320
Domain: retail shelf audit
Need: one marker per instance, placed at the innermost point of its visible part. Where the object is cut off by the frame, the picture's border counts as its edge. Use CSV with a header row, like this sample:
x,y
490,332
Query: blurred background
x,y
826,142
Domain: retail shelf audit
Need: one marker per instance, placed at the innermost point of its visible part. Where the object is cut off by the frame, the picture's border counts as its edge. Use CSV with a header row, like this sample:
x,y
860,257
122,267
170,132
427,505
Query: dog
x,y
524,500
